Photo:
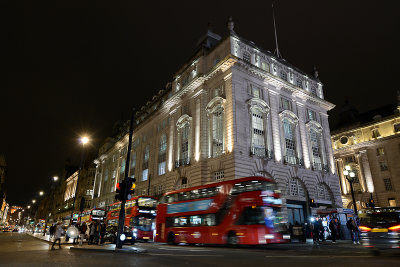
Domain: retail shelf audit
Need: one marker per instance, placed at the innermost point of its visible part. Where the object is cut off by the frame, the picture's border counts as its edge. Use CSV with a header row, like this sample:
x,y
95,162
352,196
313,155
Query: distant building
x,y
3,203
370,144
232,110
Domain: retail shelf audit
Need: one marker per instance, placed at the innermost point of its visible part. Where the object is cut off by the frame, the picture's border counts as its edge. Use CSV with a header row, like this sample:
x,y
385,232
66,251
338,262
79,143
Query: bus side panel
x,y
161,235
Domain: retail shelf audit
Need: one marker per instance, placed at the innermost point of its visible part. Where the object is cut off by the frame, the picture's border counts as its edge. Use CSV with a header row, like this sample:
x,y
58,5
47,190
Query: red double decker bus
x,y
239,211
93,214
140,213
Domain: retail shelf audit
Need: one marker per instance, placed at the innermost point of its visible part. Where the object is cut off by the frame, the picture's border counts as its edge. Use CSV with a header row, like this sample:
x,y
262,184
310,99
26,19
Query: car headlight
x,y
135,230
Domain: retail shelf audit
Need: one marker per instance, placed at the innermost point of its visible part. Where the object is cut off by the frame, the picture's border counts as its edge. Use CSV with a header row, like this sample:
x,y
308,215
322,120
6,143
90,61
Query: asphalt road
x,y
18,249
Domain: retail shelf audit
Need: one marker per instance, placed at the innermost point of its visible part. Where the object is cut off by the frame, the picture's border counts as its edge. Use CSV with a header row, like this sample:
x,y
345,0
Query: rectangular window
x,y
375,133
283,75
161,168
219,176
264,66
255,91
286,104
114,174
380,151
258,138
388,184
145,174
122,169
247,57
217,132
392,202
312,115
383,165
290,144
396,127
349,159
299,83
218,92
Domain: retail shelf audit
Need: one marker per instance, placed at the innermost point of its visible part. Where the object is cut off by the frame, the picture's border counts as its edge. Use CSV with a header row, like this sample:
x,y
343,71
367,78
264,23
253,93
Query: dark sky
x,y
69,67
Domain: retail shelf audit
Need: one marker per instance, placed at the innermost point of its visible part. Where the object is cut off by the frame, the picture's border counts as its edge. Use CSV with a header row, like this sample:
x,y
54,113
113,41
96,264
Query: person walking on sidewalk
x,y
102,232
332,227
316,230
82,231
59,232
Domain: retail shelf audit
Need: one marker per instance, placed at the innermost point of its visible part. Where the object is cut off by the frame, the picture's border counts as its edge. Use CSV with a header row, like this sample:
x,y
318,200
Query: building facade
x,y
232,110
371,148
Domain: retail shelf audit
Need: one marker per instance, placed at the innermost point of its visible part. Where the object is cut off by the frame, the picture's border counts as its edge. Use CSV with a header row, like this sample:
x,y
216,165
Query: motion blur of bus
x,y
140,213
93,214
239,211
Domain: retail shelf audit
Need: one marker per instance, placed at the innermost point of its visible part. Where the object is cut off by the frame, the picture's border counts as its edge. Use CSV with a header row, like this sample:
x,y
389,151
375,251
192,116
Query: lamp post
x,y
349,174
83,140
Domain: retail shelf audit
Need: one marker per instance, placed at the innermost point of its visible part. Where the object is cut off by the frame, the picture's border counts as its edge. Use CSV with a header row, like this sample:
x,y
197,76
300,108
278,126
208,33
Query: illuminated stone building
x,y
232,110
370,145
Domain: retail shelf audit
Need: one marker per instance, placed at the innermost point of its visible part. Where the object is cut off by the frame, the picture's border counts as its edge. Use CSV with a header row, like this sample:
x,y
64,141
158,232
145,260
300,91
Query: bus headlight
x,y
269,236
286,236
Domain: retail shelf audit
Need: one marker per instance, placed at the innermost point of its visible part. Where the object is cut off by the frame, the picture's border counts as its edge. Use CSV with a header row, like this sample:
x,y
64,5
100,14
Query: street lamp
x,y
55,178
33,201
349,174
29,207
41,193
83,140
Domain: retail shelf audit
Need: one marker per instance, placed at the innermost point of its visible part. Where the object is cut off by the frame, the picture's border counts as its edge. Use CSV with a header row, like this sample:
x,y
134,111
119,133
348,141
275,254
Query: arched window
x,y
217,132
215,114
259,117
184,140
290,141
315,140
323,192
294,187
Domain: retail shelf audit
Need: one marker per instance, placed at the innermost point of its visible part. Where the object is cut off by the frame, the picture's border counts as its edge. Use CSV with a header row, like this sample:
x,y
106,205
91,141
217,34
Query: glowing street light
x,y
349,175
41,193
29,207
55,178
84,140
33,201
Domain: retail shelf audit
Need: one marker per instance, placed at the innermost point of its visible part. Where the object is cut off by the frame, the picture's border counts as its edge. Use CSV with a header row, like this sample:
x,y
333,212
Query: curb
x,y
50,242
129,251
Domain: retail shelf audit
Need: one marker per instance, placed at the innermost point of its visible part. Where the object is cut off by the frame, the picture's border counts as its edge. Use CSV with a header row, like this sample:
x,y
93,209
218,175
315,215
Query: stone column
x,y
364,164
303,135
361,178
274,100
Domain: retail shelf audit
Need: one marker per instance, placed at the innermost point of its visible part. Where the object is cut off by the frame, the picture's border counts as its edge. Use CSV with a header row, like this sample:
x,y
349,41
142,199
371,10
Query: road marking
x,y
320,256
184,255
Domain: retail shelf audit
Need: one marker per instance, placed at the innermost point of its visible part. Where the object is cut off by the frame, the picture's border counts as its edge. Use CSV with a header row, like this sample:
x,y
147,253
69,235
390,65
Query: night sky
x,y
72,67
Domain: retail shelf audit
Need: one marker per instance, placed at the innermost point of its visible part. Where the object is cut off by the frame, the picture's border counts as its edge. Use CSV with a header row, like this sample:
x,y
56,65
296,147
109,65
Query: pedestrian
x,y
58,233
92,232
316,230
82,232
45,229
102,232
96,232
52,230
356,232
332,227
321,230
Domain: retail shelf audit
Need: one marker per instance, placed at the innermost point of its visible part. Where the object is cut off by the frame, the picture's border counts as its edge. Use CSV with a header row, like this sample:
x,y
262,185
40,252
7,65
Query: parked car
x,y
380,229
111,235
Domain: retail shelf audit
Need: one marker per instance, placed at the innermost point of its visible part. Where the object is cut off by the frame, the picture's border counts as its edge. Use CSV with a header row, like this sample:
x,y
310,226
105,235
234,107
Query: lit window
x,y
122,169
255,91
185,142
145,174
217,132
161,168
286,104
315,148
258,134
290,144
312,115
392,202
264,66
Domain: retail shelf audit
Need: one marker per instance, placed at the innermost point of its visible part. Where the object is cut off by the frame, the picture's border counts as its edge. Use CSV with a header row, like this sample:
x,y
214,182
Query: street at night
x,y
200,133
18,249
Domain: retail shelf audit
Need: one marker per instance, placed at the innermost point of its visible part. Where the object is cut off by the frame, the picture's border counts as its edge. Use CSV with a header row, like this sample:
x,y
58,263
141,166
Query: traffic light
x,y
371,203
131,188
119,190
312,202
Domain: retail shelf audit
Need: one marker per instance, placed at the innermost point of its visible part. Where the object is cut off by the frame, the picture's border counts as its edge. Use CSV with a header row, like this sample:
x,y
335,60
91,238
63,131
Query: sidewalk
x,y
86,247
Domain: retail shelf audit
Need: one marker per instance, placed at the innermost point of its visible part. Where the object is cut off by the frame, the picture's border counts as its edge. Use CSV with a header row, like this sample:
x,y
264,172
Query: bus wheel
x,y
171,239
233,239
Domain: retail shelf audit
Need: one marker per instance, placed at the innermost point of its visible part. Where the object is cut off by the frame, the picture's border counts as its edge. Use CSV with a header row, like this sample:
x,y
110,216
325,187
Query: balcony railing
x,y
261,152
182,162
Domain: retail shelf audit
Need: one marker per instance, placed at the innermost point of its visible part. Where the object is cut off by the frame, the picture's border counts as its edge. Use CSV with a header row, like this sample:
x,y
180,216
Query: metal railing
x,y
182,162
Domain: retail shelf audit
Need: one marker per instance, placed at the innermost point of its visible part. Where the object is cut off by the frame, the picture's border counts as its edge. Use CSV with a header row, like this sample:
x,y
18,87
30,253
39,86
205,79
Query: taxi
x,y
380,229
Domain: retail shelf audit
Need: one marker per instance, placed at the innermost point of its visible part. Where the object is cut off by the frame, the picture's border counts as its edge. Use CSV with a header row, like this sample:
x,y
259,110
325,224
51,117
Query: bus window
x,y
251,216
147,202
248,186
